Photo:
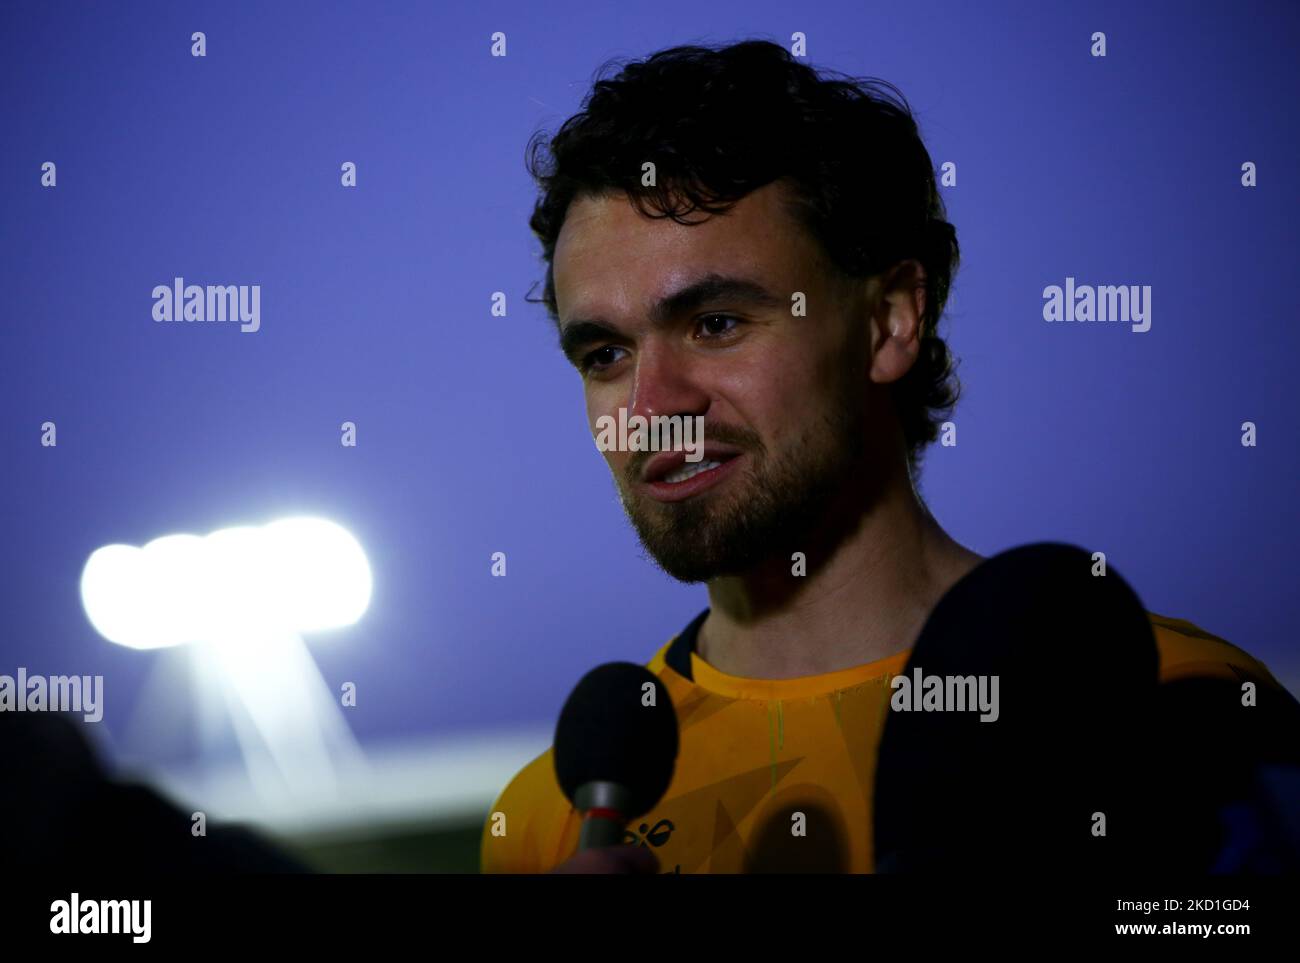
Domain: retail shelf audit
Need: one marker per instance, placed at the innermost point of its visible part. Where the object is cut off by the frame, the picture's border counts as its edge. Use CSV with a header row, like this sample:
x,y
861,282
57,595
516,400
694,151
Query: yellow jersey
x,y
754,751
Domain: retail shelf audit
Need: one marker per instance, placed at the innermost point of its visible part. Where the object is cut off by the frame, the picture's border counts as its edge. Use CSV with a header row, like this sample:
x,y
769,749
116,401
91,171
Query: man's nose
x,y
665,383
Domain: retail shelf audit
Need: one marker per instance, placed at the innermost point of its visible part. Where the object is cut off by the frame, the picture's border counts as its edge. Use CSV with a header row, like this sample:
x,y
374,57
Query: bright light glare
x,y
292,576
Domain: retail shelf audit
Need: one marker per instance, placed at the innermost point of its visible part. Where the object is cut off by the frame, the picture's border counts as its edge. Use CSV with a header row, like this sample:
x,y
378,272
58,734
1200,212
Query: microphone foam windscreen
x,y
618,725
1038,612
1069,656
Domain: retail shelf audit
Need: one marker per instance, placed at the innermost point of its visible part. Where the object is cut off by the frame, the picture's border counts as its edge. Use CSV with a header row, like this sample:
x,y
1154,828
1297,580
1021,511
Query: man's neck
x,y
867,599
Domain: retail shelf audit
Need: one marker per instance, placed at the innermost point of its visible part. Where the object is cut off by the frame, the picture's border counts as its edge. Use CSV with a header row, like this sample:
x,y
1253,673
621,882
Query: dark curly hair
x,y
722,122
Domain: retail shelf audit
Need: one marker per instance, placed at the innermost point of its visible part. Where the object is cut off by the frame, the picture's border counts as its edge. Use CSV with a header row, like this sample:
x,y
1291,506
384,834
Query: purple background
x,y
471,431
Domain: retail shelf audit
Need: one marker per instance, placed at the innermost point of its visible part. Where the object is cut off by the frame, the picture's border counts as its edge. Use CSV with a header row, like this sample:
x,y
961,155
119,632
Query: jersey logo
x,y
655,837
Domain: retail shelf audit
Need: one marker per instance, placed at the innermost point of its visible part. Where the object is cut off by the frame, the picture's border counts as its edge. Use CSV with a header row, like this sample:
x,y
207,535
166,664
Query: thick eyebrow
x,y
578,334
708,289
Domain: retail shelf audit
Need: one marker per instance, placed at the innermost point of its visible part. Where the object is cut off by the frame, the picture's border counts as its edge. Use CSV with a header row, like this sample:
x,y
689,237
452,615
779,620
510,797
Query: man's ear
x,y
896,322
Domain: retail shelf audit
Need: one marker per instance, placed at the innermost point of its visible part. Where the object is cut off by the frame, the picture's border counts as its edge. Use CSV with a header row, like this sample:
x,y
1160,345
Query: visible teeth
x,y
689,471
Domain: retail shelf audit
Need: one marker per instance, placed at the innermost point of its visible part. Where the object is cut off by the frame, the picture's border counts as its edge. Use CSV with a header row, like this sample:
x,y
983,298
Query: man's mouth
x,y
673,479
689,470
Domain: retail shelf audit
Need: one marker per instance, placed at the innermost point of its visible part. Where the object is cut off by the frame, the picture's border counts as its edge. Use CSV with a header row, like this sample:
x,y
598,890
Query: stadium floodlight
x,y
239,599
295,575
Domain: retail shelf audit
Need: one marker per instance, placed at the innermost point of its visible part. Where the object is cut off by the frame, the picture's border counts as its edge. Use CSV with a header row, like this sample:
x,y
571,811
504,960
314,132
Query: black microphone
x,y
1050,770
615,749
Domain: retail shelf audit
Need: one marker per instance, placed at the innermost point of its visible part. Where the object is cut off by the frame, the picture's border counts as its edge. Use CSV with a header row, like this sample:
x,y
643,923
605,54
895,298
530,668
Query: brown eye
x,y
716,324
601,358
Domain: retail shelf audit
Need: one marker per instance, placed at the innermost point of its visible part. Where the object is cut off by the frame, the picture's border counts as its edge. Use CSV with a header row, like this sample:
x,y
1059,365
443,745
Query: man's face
x,y
784,398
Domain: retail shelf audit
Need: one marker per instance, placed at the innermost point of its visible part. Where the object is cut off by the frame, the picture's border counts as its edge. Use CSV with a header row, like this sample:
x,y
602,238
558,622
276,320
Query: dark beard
x,y
772,510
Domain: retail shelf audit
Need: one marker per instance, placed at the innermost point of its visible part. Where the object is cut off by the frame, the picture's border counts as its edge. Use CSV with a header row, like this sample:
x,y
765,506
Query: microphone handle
x,y
600,830
604,807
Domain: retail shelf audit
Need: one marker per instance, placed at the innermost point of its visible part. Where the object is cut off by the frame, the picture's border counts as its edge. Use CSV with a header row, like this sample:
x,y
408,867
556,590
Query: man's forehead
x,y
609,255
